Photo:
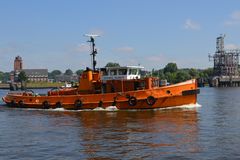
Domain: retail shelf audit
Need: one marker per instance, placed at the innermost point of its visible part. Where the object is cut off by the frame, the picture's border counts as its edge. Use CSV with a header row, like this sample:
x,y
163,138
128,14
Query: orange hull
x,y
159,97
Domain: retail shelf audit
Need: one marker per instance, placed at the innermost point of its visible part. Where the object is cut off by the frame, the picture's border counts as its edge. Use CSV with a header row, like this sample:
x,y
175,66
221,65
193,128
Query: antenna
x,y
91,35
94,50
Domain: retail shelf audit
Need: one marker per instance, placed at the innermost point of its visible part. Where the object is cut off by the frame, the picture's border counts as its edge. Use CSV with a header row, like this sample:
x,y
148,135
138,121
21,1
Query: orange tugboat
x,y
121,87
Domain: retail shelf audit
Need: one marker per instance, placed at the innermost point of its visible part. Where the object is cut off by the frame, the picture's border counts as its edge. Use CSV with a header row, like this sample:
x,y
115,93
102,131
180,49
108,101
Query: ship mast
x,y
94,50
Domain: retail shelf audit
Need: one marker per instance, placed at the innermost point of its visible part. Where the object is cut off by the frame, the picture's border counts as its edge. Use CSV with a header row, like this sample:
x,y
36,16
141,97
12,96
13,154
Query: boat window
x,y
105,73
113,72
133,71
122,71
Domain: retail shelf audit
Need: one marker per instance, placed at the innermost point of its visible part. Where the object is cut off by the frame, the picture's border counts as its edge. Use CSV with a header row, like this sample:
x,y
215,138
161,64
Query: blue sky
x,y
49,33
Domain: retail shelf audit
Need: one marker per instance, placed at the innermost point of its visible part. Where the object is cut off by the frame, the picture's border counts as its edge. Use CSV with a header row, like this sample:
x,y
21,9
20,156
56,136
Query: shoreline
x,y
6,86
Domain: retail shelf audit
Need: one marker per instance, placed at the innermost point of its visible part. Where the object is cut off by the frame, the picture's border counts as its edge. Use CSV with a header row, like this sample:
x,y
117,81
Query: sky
x,y
151,33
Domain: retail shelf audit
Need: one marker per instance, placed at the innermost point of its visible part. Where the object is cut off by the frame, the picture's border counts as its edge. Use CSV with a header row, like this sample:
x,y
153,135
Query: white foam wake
x,y
186,106
114,108
109,108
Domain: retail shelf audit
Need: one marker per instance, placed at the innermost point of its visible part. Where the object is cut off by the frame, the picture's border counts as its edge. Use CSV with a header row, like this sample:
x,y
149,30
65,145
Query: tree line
x,y
174,75
170,72
69,72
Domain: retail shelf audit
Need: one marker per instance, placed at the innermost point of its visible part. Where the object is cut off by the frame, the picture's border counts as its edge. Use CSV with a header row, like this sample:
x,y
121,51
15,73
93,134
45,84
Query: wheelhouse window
x,y
133,71
104,72
122,71
113,72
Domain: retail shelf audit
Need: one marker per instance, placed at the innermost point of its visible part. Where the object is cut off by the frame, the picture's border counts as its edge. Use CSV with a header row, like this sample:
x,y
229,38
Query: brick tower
x,y
18,63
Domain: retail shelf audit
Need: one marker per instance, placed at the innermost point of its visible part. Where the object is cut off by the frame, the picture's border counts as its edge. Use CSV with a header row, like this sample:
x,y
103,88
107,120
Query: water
x,y
208,132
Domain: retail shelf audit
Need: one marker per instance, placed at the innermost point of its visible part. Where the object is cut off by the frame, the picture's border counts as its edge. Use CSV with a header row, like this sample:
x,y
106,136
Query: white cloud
x,y
99,32
236,15
156,61
191,25
234,19
9,49
81,48
155,58
232,46
160,58
125,49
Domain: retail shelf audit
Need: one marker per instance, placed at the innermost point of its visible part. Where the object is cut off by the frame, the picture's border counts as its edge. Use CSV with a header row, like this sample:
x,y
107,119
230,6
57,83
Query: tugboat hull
x,y
159,97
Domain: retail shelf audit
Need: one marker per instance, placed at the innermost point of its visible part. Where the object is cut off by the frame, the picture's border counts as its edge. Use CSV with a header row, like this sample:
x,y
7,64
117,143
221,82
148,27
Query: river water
x,y
208,132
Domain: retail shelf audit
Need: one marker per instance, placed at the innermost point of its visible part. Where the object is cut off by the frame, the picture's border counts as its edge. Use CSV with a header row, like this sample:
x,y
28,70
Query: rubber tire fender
x,y
46,105
13,103
132,101
21,104
78,104
58,105
150,100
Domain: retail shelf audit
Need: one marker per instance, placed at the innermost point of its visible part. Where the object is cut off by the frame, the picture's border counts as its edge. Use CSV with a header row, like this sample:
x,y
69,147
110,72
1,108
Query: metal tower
x,y
225,61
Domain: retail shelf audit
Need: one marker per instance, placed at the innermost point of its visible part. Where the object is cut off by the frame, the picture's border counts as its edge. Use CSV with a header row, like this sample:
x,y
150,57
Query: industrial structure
x,y
226,65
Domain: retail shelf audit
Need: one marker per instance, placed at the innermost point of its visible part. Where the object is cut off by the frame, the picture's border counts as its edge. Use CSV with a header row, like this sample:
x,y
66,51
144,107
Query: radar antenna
x,y
94,50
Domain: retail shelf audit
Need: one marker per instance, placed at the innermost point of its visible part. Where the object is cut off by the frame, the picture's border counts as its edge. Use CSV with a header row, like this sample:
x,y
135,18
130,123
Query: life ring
x,y
58,105
45,105
150,100
21,104
78,104
132,101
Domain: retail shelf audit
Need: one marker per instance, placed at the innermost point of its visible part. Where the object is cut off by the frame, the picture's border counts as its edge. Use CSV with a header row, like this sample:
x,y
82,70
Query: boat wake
x,y
185,107
114,108
109,108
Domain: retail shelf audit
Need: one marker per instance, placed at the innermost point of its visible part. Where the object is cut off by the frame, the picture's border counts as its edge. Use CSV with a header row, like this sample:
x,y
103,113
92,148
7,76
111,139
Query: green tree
x,y
112,64
6,77
53,74
1,76
181,76
68,72
56,72
22,77
170,77
170,67
154,73
79,72
208,72
161,74
193,73
158,73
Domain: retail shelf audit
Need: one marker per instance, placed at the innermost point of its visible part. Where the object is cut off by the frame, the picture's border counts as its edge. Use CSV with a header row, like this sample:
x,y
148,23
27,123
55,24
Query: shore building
x,y
226,65
33,75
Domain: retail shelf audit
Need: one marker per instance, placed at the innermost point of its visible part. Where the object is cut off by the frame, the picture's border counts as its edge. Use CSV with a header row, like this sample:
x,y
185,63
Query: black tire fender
x,y
58,104
13,103
78,104
150,100
21,104
132,101
46,105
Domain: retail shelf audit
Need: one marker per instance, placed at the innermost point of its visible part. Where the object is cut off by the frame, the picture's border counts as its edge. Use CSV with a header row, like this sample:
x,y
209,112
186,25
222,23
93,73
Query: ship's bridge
x,y
121,73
